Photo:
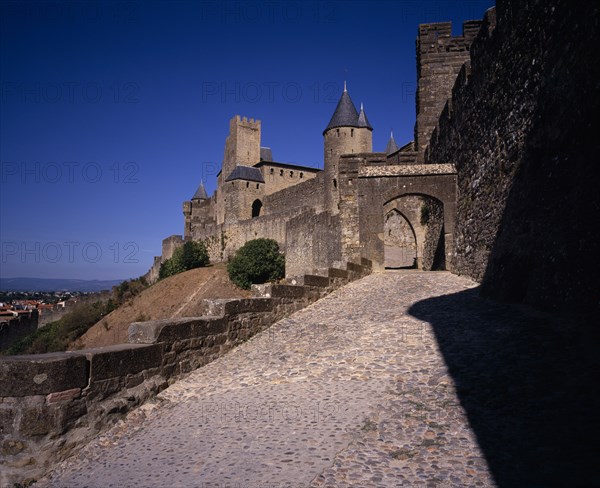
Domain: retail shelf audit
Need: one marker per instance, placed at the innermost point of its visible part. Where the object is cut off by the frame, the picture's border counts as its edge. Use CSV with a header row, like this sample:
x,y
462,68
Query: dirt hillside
x,y
177,296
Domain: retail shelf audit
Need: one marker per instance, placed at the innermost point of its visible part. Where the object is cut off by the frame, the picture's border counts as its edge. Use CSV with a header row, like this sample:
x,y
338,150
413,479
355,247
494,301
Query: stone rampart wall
x,y
52,403
14,329
521,129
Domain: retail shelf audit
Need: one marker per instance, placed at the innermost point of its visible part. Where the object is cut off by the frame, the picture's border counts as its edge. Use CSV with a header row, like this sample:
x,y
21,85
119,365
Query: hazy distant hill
x,y
55,284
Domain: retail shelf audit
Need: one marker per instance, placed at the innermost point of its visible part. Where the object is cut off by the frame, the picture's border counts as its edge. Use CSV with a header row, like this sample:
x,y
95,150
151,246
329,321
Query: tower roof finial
x,y
362,118
200,192
391,147
345,114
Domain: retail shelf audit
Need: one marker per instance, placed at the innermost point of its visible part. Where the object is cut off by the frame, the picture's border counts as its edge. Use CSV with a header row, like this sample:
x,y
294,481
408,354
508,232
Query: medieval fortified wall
x,y
498,185
495,184
521,129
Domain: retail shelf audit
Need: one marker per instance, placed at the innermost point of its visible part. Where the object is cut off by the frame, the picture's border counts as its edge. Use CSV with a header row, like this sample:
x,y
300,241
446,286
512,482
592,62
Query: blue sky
x,y
112,112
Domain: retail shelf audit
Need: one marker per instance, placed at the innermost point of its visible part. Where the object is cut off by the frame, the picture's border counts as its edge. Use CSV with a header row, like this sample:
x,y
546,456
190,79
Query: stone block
x,y
171,330
247,305
278,291
42,374
63,396
100,389
206,327
67,414
122,360
36,421
337,273
134,380
314,280
7,418
12,447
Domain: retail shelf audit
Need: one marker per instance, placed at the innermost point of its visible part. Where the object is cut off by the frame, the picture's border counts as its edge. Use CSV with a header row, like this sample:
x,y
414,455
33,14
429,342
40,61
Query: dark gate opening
x,y
256,208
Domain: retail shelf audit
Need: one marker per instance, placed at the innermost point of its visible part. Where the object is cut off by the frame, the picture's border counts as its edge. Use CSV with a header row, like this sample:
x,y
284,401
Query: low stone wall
x,y
52,403
14,329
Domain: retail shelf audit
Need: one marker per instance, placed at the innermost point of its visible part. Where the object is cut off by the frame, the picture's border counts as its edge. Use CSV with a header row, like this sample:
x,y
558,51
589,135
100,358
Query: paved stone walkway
x,y
352,391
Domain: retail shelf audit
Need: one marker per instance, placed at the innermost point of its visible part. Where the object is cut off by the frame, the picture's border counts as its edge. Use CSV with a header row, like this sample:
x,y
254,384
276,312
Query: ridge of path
x,y
352,391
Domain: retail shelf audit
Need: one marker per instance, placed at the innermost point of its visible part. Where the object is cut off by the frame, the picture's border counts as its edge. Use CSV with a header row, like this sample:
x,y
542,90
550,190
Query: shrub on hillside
x,y
191,255
130,288
258,261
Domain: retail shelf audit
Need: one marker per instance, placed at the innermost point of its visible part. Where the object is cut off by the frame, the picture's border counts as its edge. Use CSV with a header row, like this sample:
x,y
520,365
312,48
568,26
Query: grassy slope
x,y
176,296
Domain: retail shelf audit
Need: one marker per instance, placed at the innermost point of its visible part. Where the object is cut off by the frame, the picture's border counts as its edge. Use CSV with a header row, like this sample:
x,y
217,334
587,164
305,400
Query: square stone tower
x,y
440,57
242,146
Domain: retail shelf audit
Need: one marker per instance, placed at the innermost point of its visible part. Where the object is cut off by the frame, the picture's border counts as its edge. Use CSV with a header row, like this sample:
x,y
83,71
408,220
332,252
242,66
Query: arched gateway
x,y
404,209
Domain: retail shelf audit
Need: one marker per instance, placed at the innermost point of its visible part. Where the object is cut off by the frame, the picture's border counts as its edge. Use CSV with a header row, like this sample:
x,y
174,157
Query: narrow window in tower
x,y
338,132
271,170
301,175
247,184
351,132
335,183
280,172
256,207
291,174
257,185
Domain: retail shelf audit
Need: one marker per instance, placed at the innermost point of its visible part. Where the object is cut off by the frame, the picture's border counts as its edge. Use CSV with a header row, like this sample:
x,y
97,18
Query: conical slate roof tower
x,y
348,132
200,193
345,114
363,121
391,147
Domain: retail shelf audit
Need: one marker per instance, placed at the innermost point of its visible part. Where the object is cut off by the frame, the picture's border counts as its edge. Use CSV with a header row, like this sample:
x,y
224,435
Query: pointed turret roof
x,y
200,193
362,119
345,114
391,147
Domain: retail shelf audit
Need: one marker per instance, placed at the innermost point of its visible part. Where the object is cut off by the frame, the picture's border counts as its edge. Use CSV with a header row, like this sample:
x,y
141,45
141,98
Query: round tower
x,y
348,132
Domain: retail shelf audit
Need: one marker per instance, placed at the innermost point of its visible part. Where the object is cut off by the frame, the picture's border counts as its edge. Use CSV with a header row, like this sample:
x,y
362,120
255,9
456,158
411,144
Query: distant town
x,y
14,302
22,312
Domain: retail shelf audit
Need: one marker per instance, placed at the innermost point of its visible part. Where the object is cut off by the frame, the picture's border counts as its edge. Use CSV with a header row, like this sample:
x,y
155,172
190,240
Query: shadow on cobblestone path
x,y
399,380
525,382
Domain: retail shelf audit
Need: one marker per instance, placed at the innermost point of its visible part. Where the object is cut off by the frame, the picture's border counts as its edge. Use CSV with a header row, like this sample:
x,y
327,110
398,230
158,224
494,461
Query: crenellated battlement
x,y
440,57
239,121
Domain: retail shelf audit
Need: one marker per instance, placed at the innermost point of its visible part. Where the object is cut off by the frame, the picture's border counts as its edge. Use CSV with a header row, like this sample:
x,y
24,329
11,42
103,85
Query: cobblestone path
x,y
353,391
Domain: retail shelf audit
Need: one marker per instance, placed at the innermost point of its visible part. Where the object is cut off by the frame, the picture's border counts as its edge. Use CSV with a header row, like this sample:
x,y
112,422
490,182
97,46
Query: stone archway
x,y
413,229
400,242
378,189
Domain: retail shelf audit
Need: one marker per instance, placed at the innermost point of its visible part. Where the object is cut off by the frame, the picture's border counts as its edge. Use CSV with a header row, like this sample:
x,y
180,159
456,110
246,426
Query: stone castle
x,y
498,185
458,197
389,207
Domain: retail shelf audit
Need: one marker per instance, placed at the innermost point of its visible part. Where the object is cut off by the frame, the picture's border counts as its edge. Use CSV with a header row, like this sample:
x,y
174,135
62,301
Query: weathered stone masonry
x,y
505,167
52,403
521,128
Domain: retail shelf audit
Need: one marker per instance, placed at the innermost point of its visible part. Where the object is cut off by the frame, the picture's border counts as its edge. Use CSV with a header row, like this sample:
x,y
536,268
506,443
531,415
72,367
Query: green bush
x,y
191,255
258,261
129,289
